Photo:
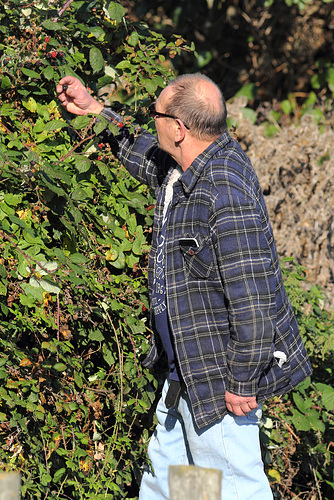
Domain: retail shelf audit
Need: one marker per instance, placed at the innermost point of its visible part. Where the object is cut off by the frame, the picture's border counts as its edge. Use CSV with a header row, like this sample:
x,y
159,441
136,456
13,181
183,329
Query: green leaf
x,y
59,474
299,401
82,163
327,395
116,11
49,287
44,267
78,380
80,122
248,90
104,80
30,104
98,32
112,253
249,114
55,125
100,126
133,39
22,269
119,263
49,73
45,284
30,73
124,65
7,110
3,288
300,421
315,420
78,258
75,214
79,193
96,59
286,106
51,25
12,199
46,479
5,82
96,335
60,367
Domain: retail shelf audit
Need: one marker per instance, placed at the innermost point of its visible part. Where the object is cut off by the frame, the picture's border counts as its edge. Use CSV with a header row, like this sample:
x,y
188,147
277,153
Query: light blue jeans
x,y
231,445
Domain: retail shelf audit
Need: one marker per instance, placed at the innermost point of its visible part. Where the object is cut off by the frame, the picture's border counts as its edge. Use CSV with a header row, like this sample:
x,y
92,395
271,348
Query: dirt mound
x,y
296,172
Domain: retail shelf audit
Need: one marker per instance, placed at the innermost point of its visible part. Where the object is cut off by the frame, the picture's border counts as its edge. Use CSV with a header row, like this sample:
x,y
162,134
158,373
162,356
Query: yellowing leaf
x,y
112,254
46,298
25,362
274,476
30,104
83,465
23,214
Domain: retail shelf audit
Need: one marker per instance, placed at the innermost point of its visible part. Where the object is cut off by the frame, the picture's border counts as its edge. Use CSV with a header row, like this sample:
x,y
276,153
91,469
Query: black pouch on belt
x,y
173,394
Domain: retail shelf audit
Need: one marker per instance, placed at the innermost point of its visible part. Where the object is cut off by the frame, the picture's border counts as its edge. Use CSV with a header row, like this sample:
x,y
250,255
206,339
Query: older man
x,y
218,302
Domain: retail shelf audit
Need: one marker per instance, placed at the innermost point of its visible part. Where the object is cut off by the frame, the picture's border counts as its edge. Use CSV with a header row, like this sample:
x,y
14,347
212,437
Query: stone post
x,y
188,482
10,486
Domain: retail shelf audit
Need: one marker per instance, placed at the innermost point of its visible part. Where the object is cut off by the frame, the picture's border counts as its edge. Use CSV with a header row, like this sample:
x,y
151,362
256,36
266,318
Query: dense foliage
x,y
76,407
74,240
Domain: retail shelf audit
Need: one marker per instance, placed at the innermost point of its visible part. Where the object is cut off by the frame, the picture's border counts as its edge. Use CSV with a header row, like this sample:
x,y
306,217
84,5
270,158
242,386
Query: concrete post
x,y
10,486
188,482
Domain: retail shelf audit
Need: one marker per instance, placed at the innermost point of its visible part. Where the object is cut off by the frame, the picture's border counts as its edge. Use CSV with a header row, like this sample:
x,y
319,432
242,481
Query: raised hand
x,y
75,98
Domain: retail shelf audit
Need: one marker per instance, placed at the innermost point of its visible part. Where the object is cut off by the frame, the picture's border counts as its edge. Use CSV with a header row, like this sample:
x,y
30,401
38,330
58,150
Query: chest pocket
x,y
198,256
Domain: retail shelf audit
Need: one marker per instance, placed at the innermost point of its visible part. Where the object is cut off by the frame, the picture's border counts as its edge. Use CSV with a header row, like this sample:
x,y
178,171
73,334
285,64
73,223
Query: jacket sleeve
x,y
138,152
244,258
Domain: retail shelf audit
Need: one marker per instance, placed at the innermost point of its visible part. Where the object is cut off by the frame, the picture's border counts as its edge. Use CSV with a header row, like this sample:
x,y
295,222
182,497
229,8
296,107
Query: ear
x,y
180,130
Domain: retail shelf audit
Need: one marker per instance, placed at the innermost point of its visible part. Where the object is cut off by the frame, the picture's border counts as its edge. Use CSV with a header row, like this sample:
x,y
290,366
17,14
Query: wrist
x,y
95,108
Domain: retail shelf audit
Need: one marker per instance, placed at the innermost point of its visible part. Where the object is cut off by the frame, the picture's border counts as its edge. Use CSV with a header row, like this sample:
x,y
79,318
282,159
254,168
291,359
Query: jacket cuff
x,y
246,389
112,117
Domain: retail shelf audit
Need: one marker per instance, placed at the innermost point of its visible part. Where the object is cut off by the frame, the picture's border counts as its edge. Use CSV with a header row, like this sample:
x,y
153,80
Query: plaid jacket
x,y
231,320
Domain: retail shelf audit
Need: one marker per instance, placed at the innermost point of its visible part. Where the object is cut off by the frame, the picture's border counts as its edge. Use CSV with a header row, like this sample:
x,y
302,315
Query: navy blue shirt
x,y
160,308
158,301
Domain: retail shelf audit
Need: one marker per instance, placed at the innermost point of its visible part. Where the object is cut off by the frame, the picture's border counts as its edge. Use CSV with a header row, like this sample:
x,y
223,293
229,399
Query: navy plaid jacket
x,y
229,313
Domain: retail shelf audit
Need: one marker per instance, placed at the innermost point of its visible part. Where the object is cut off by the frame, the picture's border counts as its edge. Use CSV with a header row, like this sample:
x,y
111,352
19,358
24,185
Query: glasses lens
x,y
151,109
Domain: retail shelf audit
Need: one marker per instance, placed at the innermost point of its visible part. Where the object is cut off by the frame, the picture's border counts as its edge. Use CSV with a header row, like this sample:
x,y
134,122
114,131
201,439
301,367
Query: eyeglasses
x,y
154,114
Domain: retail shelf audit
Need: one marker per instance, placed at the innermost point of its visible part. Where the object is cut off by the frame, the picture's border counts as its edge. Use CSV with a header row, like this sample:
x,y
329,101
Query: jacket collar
x,y
190,177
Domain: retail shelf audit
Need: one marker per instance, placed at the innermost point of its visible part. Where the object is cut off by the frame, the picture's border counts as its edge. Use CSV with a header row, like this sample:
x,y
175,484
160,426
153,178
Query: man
x,y
217,297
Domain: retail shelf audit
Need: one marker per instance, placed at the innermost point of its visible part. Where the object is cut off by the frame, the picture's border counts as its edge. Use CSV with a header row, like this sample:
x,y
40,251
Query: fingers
x,y
241,410
74,96
65,83
240,405
70,94
69,80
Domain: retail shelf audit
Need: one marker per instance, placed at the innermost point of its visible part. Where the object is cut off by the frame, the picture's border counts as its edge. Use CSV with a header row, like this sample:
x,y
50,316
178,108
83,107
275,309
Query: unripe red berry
x,y
54,54
99,158
47,39
100,145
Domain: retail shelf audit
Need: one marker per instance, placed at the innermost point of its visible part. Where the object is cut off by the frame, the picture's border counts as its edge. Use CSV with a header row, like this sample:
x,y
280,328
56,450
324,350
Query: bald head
x,y
199,103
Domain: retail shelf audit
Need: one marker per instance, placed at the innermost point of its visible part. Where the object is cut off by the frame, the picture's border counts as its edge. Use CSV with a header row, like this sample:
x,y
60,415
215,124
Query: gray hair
x,y
205,116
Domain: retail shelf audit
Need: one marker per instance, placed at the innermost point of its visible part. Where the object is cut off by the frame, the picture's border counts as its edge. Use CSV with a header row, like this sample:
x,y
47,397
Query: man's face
x,y
165,126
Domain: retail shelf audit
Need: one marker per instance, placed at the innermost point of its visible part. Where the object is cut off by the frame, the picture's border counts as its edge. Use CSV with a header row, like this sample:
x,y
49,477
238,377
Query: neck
x,y
187,153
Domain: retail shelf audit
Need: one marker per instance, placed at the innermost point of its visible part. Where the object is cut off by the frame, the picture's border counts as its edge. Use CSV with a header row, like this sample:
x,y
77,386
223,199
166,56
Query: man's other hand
x,y
240,405
75,97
